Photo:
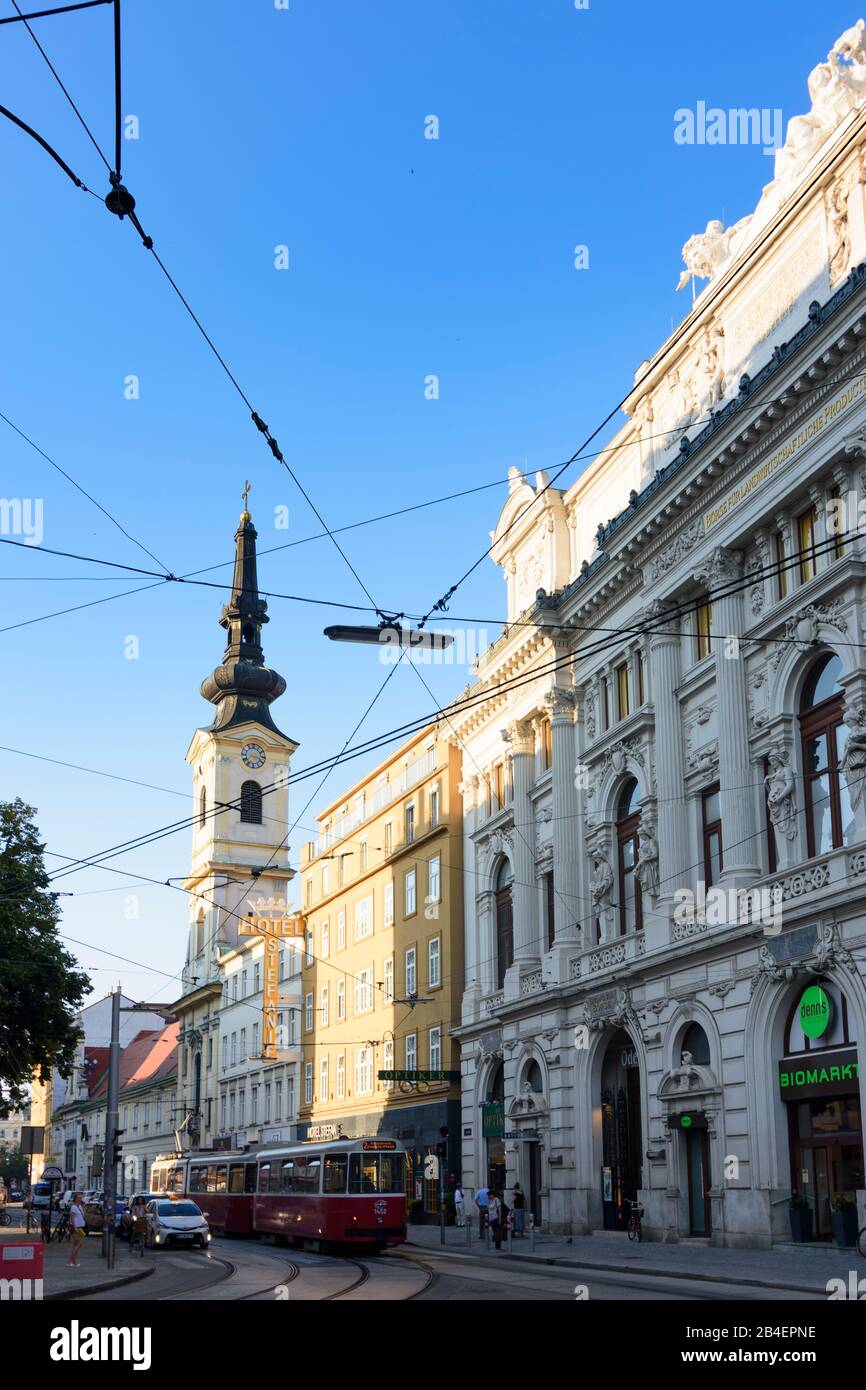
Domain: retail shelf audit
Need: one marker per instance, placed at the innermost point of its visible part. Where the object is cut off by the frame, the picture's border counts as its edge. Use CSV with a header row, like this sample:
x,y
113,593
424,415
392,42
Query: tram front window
x,y
377,1173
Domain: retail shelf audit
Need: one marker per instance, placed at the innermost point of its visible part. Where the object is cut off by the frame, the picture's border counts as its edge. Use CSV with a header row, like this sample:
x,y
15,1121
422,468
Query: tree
x,y
14,1166
40,985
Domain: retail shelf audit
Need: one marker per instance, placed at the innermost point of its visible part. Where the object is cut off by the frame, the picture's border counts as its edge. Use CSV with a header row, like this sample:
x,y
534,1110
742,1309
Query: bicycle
x,y
634,1226
5,1217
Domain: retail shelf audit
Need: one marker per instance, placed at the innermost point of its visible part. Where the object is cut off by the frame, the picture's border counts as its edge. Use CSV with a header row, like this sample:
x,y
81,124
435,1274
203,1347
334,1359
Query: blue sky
x,y
408,257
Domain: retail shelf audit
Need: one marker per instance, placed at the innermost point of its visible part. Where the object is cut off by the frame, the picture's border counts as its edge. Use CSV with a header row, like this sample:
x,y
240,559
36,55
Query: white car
x,y
176,1222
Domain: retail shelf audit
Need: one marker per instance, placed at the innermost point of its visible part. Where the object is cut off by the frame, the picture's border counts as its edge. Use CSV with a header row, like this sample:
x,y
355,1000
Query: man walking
x,y
459,1214
482,1202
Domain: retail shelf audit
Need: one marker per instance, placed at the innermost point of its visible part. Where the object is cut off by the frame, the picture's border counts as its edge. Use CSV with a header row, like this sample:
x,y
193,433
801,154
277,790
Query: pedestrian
x,y
137,1226
78,1222
494,1216
459,1214
482,1197
518,1203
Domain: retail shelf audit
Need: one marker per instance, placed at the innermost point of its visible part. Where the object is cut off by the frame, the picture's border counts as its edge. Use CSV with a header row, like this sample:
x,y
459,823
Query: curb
x,y
85,1290
642,1269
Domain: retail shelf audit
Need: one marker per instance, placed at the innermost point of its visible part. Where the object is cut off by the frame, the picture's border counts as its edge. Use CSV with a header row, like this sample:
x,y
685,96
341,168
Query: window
x,y
782,575
627,826
326,878
389,836
308,960
363,856
341,999
622,690
549,909
411,1051
435,1046
251,803
363,1071
388,984
308,1083
409,893
697,1043
341,1076
341,869
388,1062
234,1048
836,523
638,666
605,702
411,972
364,990
267,1114
703,627
323,1078
806,528
254,1105
712,828
434,963
499,786
772,853
433,883
256,1048
363,918
244,984
243,1044
308,1012
336,1167
202,807
829,817
410,823
224,1051
323,1006
341,931
326,941
434,807
504,922
257,977
389,904
546,744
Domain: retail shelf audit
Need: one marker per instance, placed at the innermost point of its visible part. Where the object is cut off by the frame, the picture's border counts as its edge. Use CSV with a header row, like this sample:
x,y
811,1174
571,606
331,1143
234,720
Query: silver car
x,y
176,1221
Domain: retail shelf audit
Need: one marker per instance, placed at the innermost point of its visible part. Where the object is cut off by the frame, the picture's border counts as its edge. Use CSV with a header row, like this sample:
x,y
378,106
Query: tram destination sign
x,y
816,1074
418,1075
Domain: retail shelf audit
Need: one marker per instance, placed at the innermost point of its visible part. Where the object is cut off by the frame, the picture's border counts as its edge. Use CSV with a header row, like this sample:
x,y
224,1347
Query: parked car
x,y
126,1216
176,1221
40,1196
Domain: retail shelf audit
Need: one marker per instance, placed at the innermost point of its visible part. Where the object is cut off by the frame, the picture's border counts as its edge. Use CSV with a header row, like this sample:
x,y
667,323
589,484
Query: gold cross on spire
x,y
245,495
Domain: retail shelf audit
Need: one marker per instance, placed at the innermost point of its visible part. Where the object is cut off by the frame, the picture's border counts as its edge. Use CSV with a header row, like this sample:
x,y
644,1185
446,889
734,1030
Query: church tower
x,y
240,764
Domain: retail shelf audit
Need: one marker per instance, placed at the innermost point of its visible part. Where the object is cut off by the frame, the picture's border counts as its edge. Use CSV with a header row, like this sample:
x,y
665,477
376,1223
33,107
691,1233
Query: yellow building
x,y
382,891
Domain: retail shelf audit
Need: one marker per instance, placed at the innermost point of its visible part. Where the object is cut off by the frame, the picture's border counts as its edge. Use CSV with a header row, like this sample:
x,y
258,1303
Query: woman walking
x,y
78,1222
518,1205
494,1216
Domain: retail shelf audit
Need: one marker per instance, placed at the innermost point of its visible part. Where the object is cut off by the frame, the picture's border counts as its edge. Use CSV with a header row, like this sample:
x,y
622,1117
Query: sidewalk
x,y
91,1275
800,1268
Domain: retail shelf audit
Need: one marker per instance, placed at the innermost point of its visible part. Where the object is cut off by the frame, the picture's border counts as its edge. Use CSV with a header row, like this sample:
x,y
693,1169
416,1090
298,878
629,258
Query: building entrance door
x,y
828,1170
698,1166
534,1157
621,1130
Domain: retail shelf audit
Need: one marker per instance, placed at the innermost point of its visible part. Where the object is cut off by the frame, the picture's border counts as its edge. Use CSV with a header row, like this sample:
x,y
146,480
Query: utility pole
x,y
112,1132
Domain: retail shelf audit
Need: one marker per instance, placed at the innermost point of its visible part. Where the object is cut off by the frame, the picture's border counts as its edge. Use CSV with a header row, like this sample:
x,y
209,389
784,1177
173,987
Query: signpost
x,y
272,930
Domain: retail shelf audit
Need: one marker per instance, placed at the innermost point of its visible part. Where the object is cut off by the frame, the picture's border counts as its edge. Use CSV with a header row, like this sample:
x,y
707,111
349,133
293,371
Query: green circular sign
x,y
815,1011
686,1121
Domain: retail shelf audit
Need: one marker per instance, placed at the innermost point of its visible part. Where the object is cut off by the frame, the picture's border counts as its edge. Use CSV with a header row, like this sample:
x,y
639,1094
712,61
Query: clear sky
x,y
408,257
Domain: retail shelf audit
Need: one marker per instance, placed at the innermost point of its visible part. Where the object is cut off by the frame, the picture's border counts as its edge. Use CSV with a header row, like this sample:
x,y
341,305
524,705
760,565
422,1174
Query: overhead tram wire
x,y
391,736
58,9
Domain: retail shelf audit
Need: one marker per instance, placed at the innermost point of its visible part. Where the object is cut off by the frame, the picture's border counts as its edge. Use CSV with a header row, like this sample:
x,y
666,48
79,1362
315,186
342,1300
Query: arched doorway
x,y
622,1148
494,1129
696,1050
818,1079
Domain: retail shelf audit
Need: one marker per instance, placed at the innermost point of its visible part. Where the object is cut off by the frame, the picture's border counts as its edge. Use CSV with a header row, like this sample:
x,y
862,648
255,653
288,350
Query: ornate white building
x,y
665,827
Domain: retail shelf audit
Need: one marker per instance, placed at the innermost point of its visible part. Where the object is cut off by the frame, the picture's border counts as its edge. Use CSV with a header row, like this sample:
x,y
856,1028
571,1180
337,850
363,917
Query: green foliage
x,y
41,987
14,1165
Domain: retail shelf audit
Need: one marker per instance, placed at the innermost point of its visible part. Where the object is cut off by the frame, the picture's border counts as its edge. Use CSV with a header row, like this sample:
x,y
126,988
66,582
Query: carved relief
x,y
672,554
803,627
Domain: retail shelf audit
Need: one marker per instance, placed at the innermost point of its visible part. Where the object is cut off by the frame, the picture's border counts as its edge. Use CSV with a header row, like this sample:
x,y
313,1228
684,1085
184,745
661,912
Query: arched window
x,y
504,922
839,1032
202,807
533,1078
696,1042
829,818
627,824
251,803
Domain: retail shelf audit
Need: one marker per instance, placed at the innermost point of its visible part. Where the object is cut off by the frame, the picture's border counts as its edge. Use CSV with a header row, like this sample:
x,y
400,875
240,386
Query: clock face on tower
x,y
253,755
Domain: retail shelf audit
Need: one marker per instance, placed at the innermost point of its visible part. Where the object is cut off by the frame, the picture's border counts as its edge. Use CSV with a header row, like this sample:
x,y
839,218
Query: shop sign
x,y
689,1119
493,1119
323,1132
418,1075
818,1074
530,1134
815,1011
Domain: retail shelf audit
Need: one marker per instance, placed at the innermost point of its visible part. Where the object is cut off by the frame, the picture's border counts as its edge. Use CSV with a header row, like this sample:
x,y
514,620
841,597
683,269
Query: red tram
x,y
338,1192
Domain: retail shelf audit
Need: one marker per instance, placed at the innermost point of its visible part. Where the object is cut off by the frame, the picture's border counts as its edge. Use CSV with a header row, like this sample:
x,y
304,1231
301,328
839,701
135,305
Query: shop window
x,y
504,922
829,817
627,830
712,833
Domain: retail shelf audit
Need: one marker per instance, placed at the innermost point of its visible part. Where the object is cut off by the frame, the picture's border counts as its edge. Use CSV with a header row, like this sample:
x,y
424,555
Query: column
x,y
673,839
522,743
737,775
566,848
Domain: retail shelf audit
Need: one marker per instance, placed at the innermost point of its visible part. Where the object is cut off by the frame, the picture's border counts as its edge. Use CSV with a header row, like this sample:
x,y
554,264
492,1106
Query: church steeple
x,y
243,687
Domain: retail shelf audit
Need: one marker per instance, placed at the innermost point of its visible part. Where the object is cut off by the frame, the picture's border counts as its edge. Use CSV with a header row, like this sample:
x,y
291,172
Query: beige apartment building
x,y
382,892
